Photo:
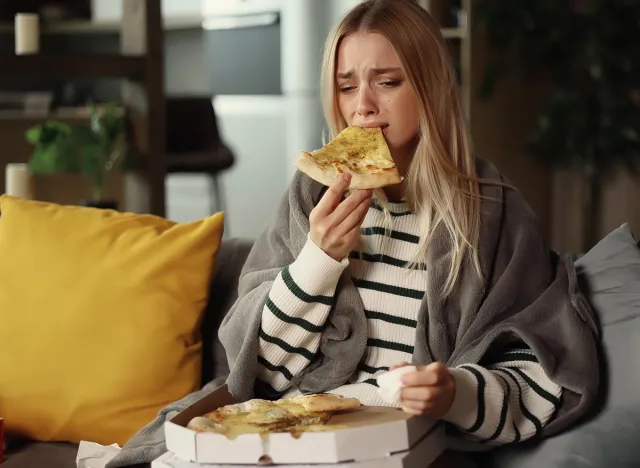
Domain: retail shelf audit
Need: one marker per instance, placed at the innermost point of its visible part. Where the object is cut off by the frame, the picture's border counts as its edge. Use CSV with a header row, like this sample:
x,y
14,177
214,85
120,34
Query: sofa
x,y
610,274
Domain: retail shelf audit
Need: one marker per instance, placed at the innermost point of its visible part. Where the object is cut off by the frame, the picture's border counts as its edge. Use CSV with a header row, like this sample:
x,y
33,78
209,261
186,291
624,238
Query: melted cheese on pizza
x,y
305,413
361,150
267,418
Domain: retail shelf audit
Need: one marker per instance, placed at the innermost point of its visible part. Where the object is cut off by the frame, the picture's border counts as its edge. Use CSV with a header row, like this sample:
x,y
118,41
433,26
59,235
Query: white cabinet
x,y
181,8
111,10
255,128
241,7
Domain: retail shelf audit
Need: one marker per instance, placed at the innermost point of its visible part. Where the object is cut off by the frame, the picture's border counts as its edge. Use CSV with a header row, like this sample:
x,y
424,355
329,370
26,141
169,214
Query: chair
x,y
193,143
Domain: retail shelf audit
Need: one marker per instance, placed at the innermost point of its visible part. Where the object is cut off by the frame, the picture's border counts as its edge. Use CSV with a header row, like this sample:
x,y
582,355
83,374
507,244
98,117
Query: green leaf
x,y
34,134
54,158
92,159
92,149
591,120
47,133
491,75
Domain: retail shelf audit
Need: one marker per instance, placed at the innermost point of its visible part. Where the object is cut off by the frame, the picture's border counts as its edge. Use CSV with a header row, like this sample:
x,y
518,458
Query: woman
x,y
447,270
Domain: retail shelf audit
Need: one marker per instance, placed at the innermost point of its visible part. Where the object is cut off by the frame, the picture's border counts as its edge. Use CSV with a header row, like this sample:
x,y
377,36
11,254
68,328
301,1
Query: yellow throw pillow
x,y
99,317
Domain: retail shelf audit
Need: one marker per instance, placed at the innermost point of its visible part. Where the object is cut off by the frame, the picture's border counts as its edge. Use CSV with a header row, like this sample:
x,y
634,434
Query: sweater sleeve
x,y
295,314
503,402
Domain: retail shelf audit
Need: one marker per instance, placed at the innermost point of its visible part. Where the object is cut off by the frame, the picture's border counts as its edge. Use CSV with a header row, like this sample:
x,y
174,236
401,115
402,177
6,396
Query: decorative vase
x,y
18,181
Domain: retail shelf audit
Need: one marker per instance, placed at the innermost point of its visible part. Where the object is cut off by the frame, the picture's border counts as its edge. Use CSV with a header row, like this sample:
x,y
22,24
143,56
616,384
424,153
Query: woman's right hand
x,y
335,223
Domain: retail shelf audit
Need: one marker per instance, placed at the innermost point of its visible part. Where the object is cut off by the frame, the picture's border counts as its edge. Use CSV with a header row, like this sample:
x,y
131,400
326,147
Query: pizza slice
x,y
322,402
303,413
362,152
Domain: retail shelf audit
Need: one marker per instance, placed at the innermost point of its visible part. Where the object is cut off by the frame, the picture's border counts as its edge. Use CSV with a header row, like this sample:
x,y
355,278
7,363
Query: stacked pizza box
x,y
366,437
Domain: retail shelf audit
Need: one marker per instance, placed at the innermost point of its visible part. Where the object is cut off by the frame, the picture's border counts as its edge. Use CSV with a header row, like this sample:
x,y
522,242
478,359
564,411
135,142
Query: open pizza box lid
x,y
366,433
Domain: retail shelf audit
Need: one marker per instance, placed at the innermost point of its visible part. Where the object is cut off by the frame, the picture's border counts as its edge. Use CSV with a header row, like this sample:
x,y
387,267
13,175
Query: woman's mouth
x,y
382,126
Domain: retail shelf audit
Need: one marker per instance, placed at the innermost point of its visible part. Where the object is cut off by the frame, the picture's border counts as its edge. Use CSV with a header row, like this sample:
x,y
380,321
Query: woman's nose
x,y
366,102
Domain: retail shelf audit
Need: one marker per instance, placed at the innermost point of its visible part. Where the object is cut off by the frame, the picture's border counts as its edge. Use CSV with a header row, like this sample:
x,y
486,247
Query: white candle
x,y
18,181
27,33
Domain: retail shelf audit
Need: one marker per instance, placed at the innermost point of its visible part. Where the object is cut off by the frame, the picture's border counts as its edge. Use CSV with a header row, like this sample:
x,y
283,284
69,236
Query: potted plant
x,y
588,50
94,149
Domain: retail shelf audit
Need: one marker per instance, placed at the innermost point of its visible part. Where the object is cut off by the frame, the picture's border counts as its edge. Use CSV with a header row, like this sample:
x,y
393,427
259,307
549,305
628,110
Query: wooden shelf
x,y
61,113
453,33
139,65
68,66
104,27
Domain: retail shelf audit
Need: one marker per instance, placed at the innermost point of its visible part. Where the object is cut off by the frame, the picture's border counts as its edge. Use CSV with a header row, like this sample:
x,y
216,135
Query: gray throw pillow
x,y
610,276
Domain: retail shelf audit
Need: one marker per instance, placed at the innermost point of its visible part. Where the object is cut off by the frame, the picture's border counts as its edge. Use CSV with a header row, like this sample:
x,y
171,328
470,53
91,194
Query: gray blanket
x,y
527,295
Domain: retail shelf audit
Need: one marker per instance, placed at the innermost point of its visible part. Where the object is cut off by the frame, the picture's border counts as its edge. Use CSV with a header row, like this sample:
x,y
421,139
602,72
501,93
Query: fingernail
x,y
346,176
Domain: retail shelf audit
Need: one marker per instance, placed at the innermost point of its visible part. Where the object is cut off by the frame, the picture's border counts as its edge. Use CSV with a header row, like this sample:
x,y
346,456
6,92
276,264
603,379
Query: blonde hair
x,y
441,185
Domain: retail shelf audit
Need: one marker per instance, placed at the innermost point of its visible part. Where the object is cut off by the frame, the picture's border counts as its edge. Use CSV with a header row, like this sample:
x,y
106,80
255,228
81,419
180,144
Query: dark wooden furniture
x,y
194,143
140,65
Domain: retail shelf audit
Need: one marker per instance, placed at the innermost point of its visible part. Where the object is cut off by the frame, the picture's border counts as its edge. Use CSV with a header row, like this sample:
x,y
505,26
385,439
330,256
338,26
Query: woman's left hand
x,y
428,391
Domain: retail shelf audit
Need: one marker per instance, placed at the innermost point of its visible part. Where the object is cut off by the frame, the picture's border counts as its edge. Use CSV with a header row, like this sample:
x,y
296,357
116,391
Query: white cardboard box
x,y
421,455
371,433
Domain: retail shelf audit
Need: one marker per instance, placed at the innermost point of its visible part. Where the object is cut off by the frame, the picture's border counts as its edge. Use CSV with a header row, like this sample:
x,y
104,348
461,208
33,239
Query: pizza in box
x,y
304,413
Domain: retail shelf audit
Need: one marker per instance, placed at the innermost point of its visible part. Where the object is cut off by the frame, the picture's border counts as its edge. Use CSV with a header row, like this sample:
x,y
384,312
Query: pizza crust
x,y
327,175
246,407
326,402
202,424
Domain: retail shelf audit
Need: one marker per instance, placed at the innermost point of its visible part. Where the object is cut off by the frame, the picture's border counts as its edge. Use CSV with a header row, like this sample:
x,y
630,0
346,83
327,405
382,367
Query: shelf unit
x,y
66,66
453,33
103,27
498,126
140,66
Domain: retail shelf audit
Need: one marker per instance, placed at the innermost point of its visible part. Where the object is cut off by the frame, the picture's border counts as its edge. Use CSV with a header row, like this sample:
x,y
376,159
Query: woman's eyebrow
x,y
376,71
382,71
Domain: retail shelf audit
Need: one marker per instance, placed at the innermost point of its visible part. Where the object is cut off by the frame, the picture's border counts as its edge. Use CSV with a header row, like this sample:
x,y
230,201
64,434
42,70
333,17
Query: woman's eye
x,y
391,83
346,89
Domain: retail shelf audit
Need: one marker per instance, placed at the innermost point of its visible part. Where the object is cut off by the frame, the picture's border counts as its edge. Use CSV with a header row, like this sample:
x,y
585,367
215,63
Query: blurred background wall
x,y
257,63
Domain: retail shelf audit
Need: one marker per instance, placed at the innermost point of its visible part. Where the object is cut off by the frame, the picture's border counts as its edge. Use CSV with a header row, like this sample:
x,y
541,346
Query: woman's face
x,y
373,91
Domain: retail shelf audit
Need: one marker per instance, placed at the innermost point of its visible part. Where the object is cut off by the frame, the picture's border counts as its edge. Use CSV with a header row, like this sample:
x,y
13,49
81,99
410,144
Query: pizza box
x,y
425,452
365,434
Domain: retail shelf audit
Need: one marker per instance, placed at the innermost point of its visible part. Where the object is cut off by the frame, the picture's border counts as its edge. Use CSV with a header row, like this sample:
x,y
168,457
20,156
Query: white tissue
x,y
390,386
92,455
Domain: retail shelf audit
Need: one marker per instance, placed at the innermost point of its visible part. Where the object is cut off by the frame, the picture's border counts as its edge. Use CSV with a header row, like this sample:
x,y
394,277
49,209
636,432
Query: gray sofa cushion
x,y
610,275
42,454
224,292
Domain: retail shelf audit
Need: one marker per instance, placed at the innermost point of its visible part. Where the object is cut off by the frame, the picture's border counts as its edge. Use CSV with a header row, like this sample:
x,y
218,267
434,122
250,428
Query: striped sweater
x,y
499,402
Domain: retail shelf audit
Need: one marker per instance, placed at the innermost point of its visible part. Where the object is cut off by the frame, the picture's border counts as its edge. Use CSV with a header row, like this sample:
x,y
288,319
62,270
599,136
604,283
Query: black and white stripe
x,y
503,400
514,399
295,315
392,289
